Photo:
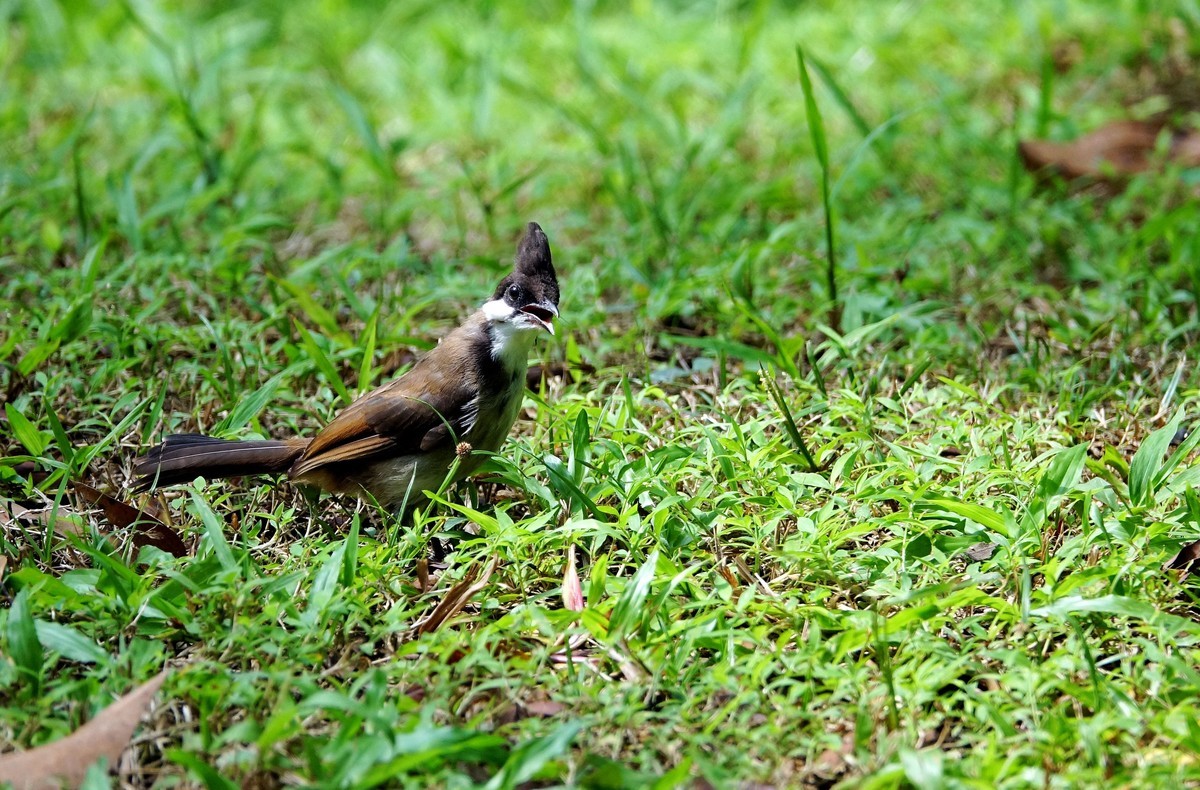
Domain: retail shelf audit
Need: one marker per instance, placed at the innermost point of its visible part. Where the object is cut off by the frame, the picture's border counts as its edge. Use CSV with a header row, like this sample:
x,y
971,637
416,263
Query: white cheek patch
x,y
497,310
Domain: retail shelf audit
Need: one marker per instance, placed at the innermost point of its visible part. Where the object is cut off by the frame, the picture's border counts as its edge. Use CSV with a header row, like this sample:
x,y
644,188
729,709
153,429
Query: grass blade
x,y
1148,460
789,423
816,128
627,613
214,530
249,407
324,365
23,645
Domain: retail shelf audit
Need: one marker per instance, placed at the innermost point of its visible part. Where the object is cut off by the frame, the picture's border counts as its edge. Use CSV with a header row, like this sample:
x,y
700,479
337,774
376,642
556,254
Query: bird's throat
x,y
510,345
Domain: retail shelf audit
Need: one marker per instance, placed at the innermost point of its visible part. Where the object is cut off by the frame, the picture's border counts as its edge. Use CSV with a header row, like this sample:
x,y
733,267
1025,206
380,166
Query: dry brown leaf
x,y
572,590
455,600
1119,149
29,470
66,761
148,530
752,577
544,708
534,709
49,517
423,575
980,552
1185,560
3,566
728,576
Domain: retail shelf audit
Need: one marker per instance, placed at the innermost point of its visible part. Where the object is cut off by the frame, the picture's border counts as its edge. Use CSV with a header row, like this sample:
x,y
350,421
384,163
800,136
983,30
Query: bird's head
x,y
527,298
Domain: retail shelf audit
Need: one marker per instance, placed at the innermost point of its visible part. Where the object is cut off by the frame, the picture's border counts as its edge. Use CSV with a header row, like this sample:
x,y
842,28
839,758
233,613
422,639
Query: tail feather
x,y
184,457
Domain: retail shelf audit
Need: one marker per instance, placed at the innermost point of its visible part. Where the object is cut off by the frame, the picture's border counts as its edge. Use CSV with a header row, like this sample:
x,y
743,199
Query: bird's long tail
x,y
184,457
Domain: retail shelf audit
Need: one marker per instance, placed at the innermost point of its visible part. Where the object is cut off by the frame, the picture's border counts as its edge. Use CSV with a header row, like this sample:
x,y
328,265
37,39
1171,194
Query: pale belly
x,y
391,481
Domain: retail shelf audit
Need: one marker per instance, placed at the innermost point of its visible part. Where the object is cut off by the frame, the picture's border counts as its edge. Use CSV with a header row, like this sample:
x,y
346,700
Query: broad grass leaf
x,y
65,762
316,312
1148,460
489,523
324,365
924,768
370,336
839,96
597,580
626,615
564,485
816,126
1166,477
350,555
214,530
70,644
25,431
1055,483
23,645
60,435
248,407
75,322
1001,523
1119,605
325,583
365,130
527,759
730,348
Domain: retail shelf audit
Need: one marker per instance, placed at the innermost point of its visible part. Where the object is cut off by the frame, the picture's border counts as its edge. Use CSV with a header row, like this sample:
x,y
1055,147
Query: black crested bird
x,y
402,437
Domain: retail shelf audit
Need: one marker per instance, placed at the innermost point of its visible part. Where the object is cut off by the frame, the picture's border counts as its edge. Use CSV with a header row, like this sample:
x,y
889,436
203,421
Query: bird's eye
x,y
514,293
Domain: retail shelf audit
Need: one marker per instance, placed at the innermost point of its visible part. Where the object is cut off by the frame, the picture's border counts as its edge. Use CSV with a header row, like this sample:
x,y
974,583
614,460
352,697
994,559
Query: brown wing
x,y
426,407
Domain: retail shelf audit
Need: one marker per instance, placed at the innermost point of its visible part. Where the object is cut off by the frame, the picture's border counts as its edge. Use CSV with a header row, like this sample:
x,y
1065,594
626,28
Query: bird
x,y
401,439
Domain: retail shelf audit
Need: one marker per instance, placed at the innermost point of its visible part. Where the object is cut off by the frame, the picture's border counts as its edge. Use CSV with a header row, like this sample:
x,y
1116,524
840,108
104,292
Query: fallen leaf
x,y
572,590
534,709
728,576
61,519
750,576
148,530
29,470
1120,149
455,600
65,762
1185,560
979,552
423,575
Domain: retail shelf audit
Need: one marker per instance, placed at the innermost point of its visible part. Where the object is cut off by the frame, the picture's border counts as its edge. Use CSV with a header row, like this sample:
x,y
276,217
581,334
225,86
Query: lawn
x,y
917,536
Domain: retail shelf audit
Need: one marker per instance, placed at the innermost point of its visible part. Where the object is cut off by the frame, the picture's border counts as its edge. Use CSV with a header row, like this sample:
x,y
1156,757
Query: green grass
x,y
234,219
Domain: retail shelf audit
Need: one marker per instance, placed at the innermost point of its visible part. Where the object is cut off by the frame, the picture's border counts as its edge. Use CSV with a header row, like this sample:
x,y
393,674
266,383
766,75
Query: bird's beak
x,y
543,313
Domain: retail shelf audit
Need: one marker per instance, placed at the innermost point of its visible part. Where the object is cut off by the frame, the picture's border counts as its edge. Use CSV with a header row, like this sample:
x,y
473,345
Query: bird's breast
x,y
497,413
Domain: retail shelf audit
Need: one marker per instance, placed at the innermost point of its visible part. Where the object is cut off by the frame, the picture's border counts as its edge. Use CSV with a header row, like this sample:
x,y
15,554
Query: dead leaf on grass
x,y
1119,149
456,599
423,575
148,530
728,576
65,762
61,519
1185,560
980,552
